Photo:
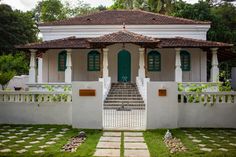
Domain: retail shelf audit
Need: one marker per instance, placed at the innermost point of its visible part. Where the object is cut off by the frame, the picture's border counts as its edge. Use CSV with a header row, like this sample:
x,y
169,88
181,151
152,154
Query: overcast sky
x,y
25,5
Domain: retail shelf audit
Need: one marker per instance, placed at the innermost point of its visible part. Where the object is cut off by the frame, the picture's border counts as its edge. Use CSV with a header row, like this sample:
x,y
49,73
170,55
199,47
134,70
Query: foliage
x,y
225,84
5,77
17,63
16,28
59,97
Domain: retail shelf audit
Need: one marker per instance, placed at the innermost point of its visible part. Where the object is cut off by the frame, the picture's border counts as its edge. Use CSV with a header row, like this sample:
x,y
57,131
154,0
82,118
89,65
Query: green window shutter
x,y
94,61
154,61
62,61
185,61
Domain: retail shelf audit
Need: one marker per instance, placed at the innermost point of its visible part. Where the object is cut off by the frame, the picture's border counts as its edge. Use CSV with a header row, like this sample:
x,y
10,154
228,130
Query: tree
x,y
5,78
16,28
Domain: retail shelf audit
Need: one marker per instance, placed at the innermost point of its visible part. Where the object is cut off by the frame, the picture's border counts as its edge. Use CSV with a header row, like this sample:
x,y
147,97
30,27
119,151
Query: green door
x,y
124,66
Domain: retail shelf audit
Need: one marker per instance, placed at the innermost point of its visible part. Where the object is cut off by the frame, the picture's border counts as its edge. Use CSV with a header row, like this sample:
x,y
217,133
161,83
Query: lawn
x,y
213,139
32,137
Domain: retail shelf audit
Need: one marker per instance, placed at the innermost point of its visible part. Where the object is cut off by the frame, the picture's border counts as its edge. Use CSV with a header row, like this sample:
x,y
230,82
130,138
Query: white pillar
x,y
214,64
32,70
68,71
40,70
178,70
105,63
141,71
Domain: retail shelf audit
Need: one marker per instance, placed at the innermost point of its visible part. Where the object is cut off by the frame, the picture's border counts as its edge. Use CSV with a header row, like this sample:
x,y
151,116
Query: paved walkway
x,y
110,144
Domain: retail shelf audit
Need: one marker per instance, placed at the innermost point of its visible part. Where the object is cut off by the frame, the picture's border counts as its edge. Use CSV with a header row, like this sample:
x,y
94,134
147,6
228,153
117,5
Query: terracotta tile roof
x,y
189,42
123,36
118,17
70,42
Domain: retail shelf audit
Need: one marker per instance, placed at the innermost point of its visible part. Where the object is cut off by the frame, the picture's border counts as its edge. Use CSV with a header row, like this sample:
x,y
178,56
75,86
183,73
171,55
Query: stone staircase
x,y
124,96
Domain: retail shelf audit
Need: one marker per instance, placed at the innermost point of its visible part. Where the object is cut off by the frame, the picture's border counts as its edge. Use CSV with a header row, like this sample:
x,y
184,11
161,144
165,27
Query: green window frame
x,y
62,61
93,61
185,60
154,61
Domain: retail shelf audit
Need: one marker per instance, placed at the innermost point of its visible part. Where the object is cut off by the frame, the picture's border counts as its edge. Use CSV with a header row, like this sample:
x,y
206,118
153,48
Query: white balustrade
x,y
30,97
142,87
106,86
59,87
207,97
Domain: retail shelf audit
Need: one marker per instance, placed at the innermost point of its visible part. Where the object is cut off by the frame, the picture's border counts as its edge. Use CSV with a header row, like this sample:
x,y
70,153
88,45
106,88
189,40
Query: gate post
x,y
87,107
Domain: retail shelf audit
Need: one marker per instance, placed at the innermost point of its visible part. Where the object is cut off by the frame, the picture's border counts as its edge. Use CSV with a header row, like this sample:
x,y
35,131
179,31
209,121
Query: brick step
x,y
125,92
124,101
124,98
118,108
121,104
123,95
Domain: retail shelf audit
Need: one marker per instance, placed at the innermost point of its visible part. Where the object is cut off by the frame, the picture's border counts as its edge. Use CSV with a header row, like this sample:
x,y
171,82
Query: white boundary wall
x,y
35,113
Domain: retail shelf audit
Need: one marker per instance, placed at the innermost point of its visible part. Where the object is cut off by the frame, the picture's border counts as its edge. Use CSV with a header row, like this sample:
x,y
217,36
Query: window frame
x,y
93,53
184,53
63,53
153,54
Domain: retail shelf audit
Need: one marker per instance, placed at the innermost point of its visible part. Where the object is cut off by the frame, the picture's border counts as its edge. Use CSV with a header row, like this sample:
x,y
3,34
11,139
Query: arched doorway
x,y
124,66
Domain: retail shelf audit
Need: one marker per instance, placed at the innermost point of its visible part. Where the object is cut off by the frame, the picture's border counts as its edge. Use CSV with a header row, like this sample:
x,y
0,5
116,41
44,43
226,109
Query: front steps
x,y
124,95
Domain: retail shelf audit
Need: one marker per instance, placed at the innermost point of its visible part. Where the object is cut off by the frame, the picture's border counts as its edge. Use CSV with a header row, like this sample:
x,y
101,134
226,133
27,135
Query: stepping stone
x,y
202,134
40,128
112,134
44,146
21,151
218,145
133,134
191,137
5,133
6,126
2,136
197,141
19,133
12,130
31,134
14,145
134,139
206,149
26,138
136,153
21,141
221,137
202,145
40,138
107,152
44,135
4,141
111,145
5,150
50,142
65,129
27,147
206,137
62,132
212,141
197,131
1,144
135,145
24,130
36,131
226,141
11,137
232,144
49,131
59,135
110,139
54,139
189,134
29,127
223,149
34,142
53,128
38,151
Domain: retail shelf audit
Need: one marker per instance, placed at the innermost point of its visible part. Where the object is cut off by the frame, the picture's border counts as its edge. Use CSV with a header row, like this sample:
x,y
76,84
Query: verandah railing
x,y
30,96
207,97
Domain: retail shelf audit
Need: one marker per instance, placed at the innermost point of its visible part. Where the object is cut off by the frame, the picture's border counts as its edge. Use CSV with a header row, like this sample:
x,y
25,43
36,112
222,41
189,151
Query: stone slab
x,y
112,134
107,152
109,145
134,139
130,145
136,153
110,139
133,134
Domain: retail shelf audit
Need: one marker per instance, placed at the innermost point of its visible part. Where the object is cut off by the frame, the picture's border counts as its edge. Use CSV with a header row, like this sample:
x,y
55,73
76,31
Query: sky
x,y
25,5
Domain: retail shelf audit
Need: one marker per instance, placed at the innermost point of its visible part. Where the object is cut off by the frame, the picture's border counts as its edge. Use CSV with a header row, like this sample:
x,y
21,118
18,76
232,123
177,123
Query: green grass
x,y
157,148
86,149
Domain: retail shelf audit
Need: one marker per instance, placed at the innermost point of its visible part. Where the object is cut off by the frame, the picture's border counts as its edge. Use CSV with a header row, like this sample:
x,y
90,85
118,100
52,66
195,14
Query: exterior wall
x,y
198,72
157,31
233,73
34,113
87,110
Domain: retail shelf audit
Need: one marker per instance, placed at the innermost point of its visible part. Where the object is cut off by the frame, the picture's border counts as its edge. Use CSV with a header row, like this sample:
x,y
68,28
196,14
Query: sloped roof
x,y
118,17
123,36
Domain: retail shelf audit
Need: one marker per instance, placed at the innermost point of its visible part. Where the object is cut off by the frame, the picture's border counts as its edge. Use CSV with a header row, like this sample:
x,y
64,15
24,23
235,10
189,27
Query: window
x,y
185,61
62,61
154,61
94,61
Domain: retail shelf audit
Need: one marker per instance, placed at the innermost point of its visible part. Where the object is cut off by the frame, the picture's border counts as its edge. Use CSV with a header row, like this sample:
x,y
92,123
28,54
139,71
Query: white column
x,y
141,71
40,70
68,71
105,63
214,64
178,70
32,70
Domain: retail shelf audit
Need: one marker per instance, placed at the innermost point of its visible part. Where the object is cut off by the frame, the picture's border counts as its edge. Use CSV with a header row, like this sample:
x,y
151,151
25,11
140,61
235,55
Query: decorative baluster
x,y
229,100
1,98
217,99
11,98
223,99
